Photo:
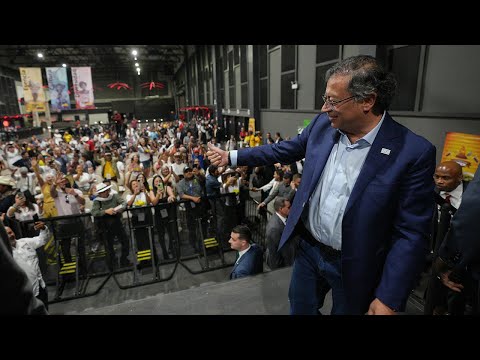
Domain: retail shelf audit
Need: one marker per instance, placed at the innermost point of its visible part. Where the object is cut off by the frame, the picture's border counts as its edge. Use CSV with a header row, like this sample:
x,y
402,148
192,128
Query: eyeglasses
x,y
333,103
66,199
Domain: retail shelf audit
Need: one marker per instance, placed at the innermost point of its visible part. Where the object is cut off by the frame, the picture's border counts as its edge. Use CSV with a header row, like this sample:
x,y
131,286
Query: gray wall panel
x,y
452,79
238,88
274,78
285,122
306,76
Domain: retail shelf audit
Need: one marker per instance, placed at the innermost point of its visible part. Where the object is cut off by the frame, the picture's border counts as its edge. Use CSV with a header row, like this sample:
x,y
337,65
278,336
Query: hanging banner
x,y
463,149
32,89
58,86
82,86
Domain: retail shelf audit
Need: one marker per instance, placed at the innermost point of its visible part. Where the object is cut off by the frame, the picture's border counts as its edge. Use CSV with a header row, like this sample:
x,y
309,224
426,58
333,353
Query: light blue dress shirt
x,y
329,200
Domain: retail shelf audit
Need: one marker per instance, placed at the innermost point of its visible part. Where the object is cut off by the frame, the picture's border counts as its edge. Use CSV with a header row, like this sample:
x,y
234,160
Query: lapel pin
x,y
385,151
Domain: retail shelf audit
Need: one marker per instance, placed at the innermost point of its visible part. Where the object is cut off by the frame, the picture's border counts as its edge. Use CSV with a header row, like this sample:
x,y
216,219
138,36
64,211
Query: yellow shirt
x,y
67,137
108,170
258,140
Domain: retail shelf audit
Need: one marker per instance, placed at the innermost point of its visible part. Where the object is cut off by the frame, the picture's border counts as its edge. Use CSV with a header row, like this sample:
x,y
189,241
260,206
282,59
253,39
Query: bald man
x,y
449,189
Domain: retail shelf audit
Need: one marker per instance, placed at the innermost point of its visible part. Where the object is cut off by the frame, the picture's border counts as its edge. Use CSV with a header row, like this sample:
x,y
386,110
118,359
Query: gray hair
x,y
367,77
279,202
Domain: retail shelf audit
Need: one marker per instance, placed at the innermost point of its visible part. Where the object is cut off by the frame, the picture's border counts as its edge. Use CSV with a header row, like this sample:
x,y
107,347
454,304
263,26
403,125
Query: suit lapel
x,y
376,159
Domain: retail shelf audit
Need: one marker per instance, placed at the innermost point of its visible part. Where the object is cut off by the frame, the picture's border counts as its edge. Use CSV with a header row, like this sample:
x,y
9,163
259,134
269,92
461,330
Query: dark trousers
x,y
316,270
141,227
43,296
439,299
193,214
165,225
65,230
108,227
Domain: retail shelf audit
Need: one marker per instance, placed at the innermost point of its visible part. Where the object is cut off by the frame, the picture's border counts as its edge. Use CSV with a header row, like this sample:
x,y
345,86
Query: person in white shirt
x,y
24,253
25,180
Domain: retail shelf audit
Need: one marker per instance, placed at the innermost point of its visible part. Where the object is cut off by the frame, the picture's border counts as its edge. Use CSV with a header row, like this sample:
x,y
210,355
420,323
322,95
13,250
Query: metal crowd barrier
x,y
80,260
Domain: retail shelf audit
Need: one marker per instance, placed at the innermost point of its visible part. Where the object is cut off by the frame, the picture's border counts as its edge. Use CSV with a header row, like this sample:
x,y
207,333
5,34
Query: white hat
x,y
102,187
85,139
7,180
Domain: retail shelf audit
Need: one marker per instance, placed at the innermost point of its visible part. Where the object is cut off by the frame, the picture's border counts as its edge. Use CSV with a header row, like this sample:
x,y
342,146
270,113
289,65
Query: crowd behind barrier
x,y
158,239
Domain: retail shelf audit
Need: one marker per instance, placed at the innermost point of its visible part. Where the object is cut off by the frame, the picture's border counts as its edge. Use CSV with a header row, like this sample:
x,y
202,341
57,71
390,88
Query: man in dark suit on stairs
x,y
286,255
250,256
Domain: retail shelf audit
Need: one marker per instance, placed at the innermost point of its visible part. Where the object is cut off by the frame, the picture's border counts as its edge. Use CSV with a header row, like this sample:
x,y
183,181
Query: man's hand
x,y
217,156
450,284
196,199
379,308
39,225
261,205
110,211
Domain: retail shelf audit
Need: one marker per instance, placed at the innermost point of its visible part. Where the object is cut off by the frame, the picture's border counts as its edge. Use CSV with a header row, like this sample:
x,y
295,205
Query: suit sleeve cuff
x,y
233,157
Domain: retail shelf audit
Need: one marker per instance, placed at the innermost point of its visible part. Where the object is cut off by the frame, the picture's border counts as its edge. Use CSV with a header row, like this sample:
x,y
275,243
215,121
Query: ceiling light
x,y
40,55
64,65
137,65
134,52
135,58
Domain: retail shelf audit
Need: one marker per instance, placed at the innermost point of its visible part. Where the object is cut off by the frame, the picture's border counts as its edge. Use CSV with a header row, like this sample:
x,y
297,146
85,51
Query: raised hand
x,y
217,156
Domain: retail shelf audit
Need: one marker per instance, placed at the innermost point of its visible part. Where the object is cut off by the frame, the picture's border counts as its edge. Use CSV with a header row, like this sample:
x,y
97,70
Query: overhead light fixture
x,y
137,64
40,55
134,52
64,65
135,58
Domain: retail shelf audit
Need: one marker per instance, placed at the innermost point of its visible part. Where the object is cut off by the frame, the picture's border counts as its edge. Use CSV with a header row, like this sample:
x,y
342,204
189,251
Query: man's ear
x,y
368,103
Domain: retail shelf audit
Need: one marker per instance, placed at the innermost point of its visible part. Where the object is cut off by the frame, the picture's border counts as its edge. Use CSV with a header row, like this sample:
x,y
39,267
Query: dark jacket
x,y
250,263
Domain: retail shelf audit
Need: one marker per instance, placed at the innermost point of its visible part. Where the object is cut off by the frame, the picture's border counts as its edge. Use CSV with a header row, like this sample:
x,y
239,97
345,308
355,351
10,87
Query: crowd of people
x,y
104,169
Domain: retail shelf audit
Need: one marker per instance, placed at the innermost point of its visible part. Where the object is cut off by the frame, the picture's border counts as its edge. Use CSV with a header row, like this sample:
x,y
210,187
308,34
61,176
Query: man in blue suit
x,y
250,256
364,207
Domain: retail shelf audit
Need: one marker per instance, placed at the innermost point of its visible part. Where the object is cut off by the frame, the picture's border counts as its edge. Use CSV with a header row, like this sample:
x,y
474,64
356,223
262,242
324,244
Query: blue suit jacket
x,y
250,263
386,223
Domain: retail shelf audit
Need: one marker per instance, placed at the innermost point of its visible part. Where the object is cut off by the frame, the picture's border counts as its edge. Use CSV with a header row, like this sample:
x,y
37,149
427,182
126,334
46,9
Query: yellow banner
x,y
251,125
32,89
463,149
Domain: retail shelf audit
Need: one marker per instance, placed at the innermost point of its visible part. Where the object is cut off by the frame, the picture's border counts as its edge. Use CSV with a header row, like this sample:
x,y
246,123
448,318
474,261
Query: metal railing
x,y
83,250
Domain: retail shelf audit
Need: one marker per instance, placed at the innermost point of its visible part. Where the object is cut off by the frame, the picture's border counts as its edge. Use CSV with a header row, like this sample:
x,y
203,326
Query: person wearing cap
x,y
107,207
109,166
189,188
25,181
7,193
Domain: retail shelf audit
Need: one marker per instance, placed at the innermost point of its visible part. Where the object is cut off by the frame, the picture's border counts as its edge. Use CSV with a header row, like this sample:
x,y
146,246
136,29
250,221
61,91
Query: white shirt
x,y
24,213
67,208
26,257
456,195
240,253
284,220
83,181
26,183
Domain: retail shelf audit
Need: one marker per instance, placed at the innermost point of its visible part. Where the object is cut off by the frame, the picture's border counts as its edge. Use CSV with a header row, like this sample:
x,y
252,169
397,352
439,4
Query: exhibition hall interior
x,y
239,179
